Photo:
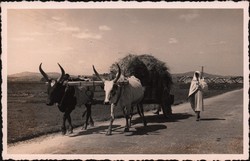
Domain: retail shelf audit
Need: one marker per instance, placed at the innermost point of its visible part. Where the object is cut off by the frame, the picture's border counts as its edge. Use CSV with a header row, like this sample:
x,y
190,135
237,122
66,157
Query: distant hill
x,y
30,76
25,74
33,76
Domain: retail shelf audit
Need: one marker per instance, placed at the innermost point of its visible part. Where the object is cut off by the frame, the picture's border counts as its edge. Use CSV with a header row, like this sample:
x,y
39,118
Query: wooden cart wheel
x,y
164,110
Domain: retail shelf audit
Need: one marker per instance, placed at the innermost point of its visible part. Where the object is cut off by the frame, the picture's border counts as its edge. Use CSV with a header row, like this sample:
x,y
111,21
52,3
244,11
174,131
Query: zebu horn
x,y
62,73
97,74
43,73
118,75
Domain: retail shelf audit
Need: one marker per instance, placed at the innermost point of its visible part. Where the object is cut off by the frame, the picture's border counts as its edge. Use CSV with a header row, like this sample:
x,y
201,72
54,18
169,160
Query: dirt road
x,y
220,131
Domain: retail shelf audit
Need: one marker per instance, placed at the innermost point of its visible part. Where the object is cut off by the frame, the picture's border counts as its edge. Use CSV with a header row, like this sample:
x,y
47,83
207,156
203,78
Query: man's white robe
x,y
195,95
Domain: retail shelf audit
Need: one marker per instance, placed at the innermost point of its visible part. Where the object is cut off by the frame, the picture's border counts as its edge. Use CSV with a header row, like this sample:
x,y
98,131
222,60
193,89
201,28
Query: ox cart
x,y
156,92
162,98
67,93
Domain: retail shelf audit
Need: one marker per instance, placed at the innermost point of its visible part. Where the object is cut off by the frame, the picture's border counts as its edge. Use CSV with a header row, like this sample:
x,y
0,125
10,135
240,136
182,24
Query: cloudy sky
x,y
78,38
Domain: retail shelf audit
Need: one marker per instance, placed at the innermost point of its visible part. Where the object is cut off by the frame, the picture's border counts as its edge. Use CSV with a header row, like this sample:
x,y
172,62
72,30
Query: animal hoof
x,y
108,133
71,131
84,126
92,124
63,131
126,129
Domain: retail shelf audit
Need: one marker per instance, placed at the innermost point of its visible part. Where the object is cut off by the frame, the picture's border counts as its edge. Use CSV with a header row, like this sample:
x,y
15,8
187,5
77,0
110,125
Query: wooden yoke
x,y
123,83
93,83
85,83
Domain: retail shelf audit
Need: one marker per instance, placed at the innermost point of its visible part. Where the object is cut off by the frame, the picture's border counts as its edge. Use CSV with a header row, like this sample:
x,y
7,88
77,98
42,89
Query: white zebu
x,y
123,95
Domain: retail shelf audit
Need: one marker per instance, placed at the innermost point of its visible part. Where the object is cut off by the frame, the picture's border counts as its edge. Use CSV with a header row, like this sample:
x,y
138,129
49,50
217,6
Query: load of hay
x,y
153,73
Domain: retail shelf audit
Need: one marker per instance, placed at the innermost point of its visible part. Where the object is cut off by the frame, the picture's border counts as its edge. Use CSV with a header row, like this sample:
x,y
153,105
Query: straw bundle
x,y
151,71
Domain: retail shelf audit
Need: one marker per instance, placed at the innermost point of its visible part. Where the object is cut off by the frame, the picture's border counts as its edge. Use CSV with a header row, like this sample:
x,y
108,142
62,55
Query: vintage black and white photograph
x,y
123,80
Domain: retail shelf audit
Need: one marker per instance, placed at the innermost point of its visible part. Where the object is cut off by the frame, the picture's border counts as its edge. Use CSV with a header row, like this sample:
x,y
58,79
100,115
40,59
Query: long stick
x,y
202,68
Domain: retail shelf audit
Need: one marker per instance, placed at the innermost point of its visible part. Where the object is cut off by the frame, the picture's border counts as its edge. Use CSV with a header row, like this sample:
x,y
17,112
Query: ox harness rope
x,y
119,94
120,86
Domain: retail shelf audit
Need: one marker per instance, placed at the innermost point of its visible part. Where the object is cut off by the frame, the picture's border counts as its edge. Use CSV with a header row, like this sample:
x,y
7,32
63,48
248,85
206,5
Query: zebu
x,y
123,96
66,98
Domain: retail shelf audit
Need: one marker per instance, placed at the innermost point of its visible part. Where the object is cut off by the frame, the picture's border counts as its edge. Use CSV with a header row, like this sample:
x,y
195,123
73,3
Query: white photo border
x,y
107,5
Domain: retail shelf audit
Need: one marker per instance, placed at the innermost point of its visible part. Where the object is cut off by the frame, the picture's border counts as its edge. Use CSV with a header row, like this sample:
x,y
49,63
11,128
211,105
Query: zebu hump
x,y
134,92
134,82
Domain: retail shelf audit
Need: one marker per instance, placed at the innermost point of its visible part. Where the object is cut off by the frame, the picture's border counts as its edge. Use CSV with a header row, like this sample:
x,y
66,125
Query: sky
x,y
185,39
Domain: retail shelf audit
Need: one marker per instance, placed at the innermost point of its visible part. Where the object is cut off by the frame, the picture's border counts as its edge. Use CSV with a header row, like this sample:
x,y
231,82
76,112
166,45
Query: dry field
x,y
28,116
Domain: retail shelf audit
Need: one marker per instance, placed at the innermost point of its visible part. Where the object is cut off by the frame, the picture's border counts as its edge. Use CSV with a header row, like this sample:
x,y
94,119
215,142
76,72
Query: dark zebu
x,y
123,96
67,97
